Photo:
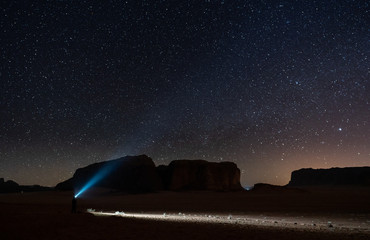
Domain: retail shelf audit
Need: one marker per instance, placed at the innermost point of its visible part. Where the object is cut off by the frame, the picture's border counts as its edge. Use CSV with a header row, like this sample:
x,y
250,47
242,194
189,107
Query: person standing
x,y
74,205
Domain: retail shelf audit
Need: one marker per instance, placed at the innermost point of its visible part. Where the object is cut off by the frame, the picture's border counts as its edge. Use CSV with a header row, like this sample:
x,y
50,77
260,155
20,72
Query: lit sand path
x,y
355,223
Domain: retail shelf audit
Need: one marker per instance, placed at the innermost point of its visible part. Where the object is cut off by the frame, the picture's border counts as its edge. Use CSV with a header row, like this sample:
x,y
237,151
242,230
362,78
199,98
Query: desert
x,y
297,213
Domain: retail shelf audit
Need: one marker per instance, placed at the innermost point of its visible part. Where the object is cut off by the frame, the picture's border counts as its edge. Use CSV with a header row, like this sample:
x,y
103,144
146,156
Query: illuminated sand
x,y
340,224
319,214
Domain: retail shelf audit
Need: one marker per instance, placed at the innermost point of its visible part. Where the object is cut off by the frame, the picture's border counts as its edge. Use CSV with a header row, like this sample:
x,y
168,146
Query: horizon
x,y
245,186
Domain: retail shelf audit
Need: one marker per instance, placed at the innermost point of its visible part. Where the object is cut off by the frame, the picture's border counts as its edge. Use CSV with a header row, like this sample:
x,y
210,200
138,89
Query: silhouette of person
x,y
74,205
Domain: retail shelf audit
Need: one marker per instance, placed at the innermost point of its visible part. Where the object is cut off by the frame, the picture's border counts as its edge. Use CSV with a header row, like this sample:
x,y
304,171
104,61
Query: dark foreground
x,y
338,213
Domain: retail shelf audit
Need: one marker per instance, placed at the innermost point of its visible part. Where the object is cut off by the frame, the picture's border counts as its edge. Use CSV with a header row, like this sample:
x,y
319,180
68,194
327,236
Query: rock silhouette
x,y
138,174
11,187
200,175
133,174
333,176
8,186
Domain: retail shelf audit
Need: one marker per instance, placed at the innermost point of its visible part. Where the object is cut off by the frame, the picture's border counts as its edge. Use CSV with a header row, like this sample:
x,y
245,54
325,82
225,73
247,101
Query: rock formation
x,y
8,186
132,174
136,174
333,176
200,175
11,187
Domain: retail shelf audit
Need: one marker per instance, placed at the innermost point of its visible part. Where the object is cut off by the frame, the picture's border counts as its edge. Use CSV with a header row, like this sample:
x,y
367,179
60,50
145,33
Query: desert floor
x,y
312,213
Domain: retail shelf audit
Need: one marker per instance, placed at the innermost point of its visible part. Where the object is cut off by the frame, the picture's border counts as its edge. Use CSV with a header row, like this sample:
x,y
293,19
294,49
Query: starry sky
x,y
273,86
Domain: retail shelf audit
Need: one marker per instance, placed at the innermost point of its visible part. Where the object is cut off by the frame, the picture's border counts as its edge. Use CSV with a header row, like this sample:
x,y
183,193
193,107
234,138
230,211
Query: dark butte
x,y
8,186
11,186
331,177
200,175
130,174
136,174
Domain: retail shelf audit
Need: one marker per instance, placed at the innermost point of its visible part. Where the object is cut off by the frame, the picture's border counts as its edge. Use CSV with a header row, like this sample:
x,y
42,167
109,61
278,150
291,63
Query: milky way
x,y
273,86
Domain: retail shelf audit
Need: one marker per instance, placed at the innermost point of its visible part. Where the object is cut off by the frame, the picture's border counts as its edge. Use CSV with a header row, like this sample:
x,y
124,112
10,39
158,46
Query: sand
x,y
314,213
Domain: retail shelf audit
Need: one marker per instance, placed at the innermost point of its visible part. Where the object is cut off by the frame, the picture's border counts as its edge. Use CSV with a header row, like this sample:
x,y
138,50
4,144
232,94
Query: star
x,y
223,81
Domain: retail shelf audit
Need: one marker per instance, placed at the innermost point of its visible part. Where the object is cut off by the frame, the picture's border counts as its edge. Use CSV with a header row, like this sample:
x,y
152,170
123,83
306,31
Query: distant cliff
x,y
132,174
136,174
332,177
8,186
11,187
200,175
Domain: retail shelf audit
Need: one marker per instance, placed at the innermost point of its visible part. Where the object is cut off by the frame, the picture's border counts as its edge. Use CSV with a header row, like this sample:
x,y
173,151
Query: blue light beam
x,y
103,172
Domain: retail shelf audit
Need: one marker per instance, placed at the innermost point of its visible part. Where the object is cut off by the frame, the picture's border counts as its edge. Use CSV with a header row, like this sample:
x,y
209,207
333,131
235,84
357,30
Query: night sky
x,y
273,86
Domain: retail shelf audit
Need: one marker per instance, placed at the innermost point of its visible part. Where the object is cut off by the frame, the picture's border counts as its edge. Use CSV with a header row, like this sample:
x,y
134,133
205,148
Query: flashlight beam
x,y
102,173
